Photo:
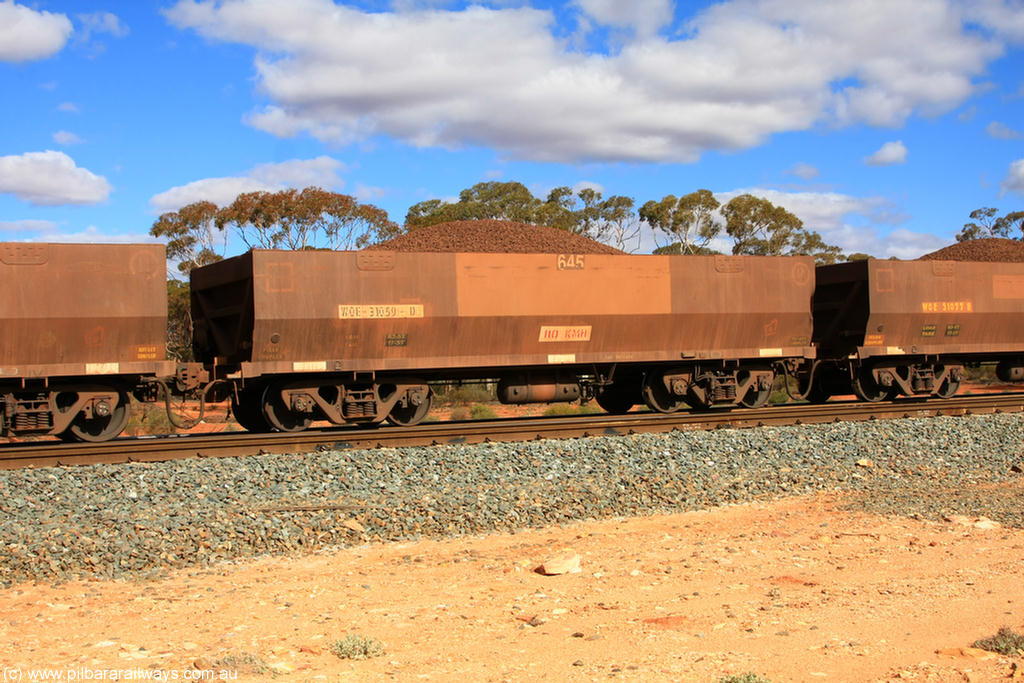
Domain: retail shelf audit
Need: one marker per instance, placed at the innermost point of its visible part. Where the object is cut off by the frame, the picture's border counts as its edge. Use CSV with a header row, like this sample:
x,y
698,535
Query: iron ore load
x,y
360,337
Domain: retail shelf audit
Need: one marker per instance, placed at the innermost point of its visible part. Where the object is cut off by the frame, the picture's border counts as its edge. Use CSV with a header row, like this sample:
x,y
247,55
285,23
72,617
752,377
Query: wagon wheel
x,y
409,415
657,396
281,417
867,389
100,428
248,411
755,398
819,393
616,400
948,388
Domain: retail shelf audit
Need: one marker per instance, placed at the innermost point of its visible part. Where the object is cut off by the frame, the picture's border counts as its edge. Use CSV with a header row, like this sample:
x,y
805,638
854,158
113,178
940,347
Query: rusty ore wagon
x,y
357,336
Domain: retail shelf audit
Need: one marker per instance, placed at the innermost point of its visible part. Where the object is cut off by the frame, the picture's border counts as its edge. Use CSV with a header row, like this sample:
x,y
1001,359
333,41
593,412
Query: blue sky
x,y
881,123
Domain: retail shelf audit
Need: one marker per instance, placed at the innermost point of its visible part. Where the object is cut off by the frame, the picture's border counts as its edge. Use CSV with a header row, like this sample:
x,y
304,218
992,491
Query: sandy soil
x,y
793,591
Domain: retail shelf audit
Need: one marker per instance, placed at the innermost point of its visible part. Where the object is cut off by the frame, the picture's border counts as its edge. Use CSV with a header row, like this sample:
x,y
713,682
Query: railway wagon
x,y
910,327
357,336
80,326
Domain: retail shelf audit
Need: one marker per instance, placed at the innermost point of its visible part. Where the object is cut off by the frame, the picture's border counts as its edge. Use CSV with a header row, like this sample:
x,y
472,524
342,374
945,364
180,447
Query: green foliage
x,y
689,220
492,200
310,218
482,411
556,409
678,248
192,237
985,223
149,418
748,677
357,647
179,321
459,414
242,662
291,219
462,394
759,227
1005,642
779,393
584,212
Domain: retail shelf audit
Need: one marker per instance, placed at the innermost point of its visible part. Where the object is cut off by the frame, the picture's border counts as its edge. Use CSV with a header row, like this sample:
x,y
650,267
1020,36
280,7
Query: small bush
x,y
779,393
749,677
556,409
242,662
449,394
148,418
1005,642
357,647
479,411
459,414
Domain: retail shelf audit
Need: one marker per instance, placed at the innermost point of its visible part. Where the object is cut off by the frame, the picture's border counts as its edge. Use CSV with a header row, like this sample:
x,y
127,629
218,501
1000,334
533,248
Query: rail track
x,y
152,449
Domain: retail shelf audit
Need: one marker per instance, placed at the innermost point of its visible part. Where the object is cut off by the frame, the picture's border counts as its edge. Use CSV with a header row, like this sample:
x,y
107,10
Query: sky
x,y
882,124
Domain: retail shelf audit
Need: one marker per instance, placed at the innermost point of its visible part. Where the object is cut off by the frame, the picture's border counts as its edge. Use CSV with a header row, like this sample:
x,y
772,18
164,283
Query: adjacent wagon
x,y
910,327
81,326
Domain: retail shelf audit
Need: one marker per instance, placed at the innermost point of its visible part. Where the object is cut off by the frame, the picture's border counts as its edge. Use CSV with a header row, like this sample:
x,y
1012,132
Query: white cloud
x,y
296,173
1001,131
645,16
805,171
1004,17
889,154
68,107
28,225
101,22
368,193
742,71
1014,180
26,34
63,137
93,235
50,179
856,224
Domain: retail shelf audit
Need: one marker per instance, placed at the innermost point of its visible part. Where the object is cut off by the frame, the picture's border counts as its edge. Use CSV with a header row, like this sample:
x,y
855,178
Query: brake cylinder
x,y
518,389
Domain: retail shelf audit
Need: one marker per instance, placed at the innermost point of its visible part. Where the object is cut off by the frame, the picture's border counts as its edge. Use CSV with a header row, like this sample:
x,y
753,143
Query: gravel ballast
x,y
109,521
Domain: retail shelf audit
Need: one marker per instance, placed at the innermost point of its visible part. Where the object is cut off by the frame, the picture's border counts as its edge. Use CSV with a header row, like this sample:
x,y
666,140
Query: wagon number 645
x,y
570,262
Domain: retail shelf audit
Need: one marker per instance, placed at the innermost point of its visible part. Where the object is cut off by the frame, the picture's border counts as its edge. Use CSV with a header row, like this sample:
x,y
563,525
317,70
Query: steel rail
x,y
152,449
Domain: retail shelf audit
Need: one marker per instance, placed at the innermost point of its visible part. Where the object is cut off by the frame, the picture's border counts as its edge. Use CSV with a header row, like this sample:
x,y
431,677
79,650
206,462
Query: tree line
x,y
313,218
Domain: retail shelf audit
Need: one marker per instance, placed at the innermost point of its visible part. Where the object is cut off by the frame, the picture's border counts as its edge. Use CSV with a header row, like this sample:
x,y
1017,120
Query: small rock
x,y
566,562
966,652
865,462
353,525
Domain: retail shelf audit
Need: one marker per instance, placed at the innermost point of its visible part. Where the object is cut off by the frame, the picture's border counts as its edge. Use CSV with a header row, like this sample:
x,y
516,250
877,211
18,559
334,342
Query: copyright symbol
x,y
12,675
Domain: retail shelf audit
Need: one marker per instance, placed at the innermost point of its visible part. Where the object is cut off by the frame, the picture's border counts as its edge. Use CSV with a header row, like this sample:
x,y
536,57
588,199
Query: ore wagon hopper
x,y
910,327
357,336
80,325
